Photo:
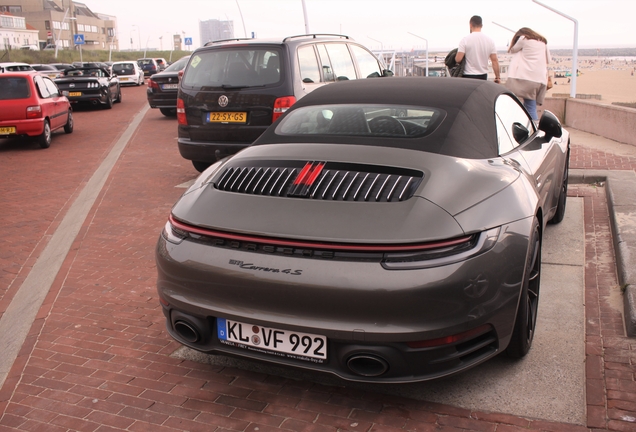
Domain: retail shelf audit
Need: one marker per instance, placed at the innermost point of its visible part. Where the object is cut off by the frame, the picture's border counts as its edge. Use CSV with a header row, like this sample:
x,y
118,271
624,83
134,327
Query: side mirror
x,y
520,132
551,125
387,73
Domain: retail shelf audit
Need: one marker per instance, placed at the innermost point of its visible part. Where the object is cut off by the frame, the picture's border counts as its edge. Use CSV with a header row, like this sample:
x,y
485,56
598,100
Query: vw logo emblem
x,y
223,101
71,85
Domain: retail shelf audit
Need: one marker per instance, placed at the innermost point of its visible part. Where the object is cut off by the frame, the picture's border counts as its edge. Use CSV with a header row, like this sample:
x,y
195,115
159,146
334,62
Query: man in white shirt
x,y
478,48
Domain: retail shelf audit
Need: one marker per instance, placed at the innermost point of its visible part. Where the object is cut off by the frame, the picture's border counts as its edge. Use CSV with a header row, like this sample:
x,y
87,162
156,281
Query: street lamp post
x,y
504,27
110,44
426,40
305,15
74,33
242,20
138,35
59,33
575,48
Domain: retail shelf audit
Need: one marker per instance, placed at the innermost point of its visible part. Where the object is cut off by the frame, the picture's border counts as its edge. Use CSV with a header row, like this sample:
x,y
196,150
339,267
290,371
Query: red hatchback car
x,y
32,105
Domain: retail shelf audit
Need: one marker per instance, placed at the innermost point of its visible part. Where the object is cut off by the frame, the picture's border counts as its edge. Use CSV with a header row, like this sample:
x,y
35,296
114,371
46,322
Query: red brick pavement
x,y
97,356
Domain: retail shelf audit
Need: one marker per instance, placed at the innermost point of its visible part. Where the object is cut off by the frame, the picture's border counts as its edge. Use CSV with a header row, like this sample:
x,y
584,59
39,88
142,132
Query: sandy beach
x,y
613,79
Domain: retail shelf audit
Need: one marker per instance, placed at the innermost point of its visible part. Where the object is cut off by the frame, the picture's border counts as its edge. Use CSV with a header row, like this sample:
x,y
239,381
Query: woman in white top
x,y
528,71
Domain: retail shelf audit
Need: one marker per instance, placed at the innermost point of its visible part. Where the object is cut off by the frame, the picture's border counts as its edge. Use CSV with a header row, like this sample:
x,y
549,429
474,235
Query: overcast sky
x,y
378,23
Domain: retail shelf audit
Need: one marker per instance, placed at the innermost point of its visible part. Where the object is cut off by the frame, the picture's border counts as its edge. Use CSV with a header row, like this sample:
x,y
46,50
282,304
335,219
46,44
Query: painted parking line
x,y
20,314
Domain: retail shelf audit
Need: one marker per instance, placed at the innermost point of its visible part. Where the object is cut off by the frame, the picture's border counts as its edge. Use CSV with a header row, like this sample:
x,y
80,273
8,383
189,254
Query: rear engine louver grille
x,y
323,181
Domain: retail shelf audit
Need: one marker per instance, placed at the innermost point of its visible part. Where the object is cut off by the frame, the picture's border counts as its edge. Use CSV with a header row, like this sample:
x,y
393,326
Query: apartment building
x,y
15,32
213,29
58,20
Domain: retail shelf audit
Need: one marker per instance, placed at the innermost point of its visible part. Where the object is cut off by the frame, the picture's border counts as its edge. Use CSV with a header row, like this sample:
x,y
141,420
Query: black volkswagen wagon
x,y
232,90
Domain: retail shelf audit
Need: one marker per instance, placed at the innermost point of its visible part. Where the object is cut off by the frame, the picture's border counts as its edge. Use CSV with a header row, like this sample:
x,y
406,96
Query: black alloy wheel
x,y
68,127
525,324
560,211
109,100
118,100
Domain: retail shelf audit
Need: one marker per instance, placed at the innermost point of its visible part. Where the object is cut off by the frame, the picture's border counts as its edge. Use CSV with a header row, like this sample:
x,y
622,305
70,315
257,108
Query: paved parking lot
x,y
96,356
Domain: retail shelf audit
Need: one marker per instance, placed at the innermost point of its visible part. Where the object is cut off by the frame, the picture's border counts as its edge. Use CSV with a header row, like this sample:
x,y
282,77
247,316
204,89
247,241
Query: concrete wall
x,y
609,121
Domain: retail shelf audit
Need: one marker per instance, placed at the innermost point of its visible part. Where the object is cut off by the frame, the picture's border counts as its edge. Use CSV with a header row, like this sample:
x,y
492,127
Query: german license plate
x,y
282,343
7,130
75,94
169,86
227,117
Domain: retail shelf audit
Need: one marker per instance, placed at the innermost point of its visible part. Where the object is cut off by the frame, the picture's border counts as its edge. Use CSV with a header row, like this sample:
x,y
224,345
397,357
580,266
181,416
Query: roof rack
x,y
315,35
226,40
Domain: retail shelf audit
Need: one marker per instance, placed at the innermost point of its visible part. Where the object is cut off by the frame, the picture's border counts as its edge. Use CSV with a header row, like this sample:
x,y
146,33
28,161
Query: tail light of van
x,y
181,115
34,111
281,105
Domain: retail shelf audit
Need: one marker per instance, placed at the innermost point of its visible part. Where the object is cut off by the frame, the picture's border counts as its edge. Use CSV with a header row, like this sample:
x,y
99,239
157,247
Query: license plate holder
x,y
276,342
226,117
8,130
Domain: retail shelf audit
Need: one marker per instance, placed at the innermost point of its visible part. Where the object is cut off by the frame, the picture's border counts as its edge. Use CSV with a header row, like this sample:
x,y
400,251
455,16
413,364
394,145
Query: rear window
x,y
233,67
361,120
124,68
44,68
14,88
178,65
17,68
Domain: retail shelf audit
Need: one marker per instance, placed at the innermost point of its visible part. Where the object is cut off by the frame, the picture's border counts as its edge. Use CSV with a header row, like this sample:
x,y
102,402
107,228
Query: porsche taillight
x,y
34,111
181,114
281,105
453,339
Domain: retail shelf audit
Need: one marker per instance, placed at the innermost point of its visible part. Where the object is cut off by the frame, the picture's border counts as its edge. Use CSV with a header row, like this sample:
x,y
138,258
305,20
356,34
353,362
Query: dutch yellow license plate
x,y
227,117
7,130
75,94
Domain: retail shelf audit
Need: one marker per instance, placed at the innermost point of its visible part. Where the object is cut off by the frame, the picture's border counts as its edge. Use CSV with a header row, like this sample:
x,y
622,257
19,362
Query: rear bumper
x,y
30,127
367,313
208,152
162,100
89,98
128,80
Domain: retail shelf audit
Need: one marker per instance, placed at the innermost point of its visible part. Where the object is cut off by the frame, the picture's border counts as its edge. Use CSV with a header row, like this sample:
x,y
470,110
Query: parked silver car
x,y
382,230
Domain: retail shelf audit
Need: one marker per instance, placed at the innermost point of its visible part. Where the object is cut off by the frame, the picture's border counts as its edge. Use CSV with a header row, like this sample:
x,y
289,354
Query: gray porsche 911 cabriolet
x,y
381,230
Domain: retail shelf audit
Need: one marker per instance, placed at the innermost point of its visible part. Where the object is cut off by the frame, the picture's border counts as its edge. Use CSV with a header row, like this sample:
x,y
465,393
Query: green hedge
x,y
70,56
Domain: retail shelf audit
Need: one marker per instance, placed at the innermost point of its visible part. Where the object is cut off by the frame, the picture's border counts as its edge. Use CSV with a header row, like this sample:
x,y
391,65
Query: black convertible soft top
x,y
467,131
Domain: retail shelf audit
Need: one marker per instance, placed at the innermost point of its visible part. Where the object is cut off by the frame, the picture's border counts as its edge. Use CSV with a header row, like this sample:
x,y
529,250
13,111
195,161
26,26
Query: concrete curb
x,y
621,200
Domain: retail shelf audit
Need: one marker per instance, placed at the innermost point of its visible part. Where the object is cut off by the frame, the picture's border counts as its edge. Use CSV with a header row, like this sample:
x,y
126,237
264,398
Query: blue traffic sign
x,y
188,41
78,39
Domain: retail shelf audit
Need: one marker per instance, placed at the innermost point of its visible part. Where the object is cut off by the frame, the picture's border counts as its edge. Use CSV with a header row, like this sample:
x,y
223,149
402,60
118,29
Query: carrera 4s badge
x,y
251,266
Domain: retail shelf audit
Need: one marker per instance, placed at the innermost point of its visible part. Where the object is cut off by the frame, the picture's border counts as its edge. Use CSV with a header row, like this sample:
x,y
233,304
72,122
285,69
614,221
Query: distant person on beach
x,y
528,71
477,48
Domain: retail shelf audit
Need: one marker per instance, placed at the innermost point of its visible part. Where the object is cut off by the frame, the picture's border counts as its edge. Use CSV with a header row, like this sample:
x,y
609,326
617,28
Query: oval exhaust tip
x,y
367,365
186,331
